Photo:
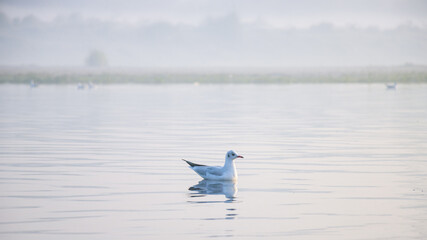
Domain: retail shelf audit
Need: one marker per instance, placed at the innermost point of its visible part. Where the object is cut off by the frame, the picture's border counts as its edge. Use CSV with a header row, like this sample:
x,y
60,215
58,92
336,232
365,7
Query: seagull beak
x,y
239,156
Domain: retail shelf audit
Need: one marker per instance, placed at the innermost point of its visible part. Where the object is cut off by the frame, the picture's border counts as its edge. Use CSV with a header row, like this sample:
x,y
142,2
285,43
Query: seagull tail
x,y
192,164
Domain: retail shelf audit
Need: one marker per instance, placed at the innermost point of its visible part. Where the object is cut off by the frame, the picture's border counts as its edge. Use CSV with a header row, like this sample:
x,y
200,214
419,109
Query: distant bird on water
x,y
80,86
33,84
227,172
391,86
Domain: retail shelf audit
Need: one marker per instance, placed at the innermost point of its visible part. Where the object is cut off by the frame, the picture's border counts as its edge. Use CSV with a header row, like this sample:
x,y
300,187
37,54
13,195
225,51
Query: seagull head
x,y
232,155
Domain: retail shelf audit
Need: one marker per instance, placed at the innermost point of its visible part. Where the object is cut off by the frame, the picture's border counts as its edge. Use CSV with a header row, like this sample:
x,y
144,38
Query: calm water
x,y
321,162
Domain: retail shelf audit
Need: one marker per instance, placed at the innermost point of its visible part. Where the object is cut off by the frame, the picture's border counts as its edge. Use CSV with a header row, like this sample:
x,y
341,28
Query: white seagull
x,y
225,173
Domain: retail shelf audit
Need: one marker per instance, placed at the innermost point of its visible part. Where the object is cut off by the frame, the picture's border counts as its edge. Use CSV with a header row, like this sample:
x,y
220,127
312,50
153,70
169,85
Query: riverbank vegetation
x,y
401,74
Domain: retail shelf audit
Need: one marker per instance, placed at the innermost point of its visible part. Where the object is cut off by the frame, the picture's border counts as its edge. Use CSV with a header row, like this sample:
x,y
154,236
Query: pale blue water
x,y
326,161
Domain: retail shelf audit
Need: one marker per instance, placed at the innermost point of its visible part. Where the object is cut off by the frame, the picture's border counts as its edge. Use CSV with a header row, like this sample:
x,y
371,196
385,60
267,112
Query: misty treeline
x,y
221,42
401,74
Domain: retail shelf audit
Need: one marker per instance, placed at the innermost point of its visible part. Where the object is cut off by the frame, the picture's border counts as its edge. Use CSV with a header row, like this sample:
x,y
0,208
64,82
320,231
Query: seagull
x,y
226,173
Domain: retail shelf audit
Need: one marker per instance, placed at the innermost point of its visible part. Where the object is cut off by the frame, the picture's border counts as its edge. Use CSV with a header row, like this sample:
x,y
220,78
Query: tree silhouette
x,y
96,58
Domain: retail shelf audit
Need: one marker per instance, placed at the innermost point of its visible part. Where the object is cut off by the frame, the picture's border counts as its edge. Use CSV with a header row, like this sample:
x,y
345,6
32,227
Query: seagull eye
x,y
234,154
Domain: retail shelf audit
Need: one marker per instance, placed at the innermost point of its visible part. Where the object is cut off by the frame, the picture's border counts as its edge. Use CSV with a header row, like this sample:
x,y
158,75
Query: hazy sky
x,y
274,13
214,33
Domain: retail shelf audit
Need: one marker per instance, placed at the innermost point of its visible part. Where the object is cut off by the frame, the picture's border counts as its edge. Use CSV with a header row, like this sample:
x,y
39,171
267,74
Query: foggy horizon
x,y
220,34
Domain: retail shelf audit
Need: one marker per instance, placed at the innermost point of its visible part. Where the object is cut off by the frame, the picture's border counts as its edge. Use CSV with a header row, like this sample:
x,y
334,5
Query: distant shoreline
x,y
401,74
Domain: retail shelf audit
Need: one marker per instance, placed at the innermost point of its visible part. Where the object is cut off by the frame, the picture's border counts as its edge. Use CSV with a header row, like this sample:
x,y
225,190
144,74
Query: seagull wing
x,y
217,171
206,172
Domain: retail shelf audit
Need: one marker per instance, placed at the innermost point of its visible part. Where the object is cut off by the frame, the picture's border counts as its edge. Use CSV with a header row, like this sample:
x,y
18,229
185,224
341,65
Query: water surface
x,y
322,161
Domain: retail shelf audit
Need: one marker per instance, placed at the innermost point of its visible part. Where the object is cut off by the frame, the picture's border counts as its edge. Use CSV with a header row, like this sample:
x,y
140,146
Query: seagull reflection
x,y
210,187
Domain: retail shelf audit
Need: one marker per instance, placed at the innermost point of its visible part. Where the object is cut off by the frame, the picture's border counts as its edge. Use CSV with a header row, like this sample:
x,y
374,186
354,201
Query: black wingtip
x,y
192,164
